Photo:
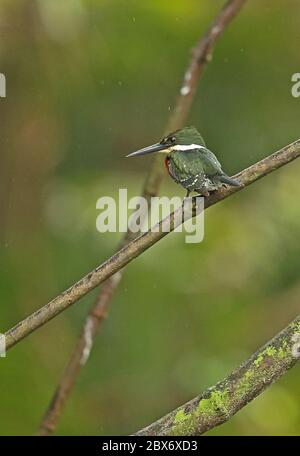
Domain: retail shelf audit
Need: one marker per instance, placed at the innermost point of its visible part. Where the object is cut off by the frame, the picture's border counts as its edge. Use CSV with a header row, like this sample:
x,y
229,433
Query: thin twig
x,y
142,243
200,57
220,402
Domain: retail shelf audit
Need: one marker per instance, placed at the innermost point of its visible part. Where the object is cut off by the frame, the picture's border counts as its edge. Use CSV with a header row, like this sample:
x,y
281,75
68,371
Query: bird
x,y
189,162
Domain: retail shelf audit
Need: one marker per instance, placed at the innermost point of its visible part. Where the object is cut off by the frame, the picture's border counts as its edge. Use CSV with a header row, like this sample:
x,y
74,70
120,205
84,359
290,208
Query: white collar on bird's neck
x,y
189,147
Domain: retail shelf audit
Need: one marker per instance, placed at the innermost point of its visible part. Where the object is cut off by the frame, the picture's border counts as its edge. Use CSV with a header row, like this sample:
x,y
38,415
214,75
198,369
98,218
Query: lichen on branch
x,y
222,401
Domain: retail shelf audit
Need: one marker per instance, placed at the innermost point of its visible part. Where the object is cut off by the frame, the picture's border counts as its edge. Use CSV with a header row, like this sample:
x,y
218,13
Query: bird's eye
x,y
168,139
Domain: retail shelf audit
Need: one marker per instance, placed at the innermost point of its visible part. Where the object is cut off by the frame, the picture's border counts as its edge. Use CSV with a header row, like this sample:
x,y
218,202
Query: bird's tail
x,y
229,181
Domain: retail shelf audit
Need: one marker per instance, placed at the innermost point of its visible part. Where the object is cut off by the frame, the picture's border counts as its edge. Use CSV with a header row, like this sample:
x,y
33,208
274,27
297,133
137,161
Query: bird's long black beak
x,y
149,150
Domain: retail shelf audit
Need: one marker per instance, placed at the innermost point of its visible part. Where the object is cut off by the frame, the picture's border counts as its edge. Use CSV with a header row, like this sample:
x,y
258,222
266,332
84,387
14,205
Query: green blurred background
x,y
88,82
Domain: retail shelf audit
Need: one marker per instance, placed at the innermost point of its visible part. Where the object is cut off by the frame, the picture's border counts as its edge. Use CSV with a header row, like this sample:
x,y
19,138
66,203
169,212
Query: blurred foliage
x,y
88,82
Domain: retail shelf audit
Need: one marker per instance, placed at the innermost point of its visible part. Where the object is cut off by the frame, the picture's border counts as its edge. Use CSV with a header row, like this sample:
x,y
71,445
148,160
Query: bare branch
x,y
220,402
140,244
200,57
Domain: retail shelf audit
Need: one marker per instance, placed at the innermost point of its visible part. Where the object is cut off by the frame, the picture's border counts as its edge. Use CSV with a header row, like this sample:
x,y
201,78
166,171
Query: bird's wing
x,y
201,160
210,163
191,167
187,163
212,168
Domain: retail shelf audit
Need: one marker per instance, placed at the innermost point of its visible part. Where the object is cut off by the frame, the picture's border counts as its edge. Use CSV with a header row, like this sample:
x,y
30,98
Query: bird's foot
x,y
203,192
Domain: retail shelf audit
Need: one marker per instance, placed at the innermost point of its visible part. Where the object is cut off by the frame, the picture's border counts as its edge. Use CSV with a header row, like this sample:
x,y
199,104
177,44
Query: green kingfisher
x,y
189,162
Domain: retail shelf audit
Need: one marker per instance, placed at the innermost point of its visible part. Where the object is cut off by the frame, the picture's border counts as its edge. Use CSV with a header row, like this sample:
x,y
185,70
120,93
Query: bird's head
x,y
185,139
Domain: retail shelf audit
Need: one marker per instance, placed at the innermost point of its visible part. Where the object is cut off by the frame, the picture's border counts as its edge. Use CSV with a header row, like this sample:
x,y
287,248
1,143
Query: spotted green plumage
x,y
196,170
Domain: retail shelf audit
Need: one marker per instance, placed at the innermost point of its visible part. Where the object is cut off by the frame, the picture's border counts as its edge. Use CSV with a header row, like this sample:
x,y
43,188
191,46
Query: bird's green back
x,y
195,161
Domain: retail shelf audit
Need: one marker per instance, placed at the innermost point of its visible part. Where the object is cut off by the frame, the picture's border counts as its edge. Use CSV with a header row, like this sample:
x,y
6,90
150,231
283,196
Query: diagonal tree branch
x,y
220,402
142,243
200,57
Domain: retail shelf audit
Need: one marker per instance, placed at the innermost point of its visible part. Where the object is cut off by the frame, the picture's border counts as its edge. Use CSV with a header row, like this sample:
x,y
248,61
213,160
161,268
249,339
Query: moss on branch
x,y
222,401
